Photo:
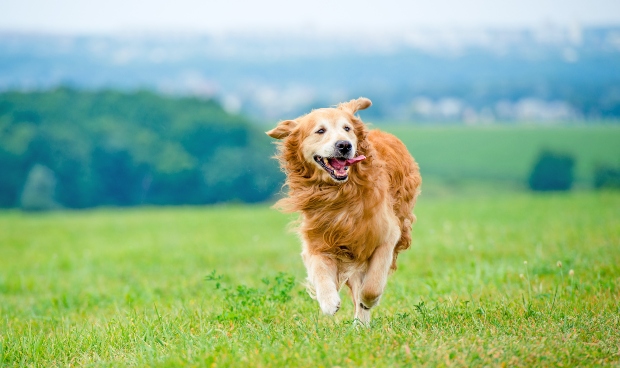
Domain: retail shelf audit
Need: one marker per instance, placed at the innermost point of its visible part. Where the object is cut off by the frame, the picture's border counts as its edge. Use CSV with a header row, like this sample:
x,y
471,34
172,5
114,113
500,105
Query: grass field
x,y
505,155
221,286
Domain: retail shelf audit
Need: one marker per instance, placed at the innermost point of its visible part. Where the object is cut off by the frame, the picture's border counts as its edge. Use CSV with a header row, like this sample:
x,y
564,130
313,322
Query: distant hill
x,y
547,73
81,149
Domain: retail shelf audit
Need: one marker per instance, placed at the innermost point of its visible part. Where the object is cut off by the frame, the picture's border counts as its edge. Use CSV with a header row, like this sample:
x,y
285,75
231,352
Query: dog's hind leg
x,y
323,277
362,314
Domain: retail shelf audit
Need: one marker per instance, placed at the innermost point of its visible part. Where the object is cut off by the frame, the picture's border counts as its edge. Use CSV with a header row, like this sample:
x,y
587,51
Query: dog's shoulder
x,y
389,148
401,168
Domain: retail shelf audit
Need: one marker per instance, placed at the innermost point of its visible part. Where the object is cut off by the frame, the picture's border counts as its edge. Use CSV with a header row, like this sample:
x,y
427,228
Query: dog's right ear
x,y
283,129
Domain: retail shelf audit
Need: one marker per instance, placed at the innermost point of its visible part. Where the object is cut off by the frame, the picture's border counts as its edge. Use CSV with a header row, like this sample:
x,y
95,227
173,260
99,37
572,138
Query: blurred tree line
x,y
81,149
554,171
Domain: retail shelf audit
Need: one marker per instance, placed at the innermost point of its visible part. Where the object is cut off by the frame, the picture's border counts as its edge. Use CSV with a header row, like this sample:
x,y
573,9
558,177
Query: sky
x,y
113,16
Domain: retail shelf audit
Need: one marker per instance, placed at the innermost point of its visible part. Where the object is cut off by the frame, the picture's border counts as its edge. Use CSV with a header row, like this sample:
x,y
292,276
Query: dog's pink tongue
x,y
354,160
341,164
337,164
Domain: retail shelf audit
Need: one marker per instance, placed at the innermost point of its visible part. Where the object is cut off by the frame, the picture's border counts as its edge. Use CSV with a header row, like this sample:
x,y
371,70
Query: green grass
x,y
221,286
506,154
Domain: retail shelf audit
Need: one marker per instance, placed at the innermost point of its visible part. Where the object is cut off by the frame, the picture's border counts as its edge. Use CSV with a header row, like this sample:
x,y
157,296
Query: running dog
x,y
355,191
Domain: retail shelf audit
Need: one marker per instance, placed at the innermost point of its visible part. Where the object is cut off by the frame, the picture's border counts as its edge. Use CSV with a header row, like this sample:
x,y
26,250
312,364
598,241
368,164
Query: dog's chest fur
x,y
352,247
351,228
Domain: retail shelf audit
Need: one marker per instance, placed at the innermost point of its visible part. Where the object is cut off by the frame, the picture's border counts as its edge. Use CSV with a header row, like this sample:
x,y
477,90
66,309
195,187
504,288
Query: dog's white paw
x,y
330,303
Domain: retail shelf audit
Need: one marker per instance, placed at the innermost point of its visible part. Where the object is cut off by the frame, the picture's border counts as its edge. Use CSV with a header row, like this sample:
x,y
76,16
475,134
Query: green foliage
x,y
113,287
113,148
552,171
606,177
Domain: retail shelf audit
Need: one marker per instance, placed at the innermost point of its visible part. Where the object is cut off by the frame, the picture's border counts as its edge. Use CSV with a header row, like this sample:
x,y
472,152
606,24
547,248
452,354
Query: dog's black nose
x,y
344,146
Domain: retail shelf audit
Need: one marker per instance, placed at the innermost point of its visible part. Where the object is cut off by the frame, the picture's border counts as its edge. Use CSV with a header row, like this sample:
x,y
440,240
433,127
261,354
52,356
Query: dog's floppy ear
x,y
283,129
354,106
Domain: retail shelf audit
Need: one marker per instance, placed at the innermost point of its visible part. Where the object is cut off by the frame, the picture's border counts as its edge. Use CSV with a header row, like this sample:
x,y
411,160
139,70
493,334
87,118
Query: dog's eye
x,y
346,129
320,131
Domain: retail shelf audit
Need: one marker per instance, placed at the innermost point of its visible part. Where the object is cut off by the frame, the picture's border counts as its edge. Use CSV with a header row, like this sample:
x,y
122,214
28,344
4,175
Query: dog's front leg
x,y
376,276
322,275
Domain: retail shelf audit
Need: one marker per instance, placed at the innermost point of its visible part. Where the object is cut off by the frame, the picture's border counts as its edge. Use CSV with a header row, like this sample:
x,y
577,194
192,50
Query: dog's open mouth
x,y
338,167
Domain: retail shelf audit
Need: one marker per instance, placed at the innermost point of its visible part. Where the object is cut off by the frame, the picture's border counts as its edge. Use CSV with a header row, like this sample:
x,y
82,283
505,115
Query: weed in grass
x,y
243,302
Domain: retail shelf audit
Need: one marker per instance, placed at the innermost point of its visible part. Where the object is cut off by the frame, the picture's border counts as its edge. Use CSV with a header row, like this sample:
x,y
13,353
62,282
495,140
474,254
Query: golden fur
x,y
353,229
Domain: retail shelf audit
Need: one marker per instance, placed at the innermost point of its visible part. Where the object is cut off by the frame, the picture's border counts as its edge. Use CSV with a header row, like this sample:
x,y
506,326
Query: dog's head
x,y
326,141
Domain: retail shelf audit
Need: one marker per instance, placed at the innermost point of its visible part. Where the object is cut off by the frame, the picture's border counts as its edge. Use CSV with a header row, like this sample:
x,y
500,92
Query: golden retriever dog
x,y
355,190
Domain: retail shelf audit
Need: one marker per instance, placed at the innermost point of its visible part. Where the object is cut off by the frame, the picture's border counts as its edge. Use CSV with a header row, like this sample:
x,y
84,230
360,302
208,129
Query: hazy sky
x,y
87,16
